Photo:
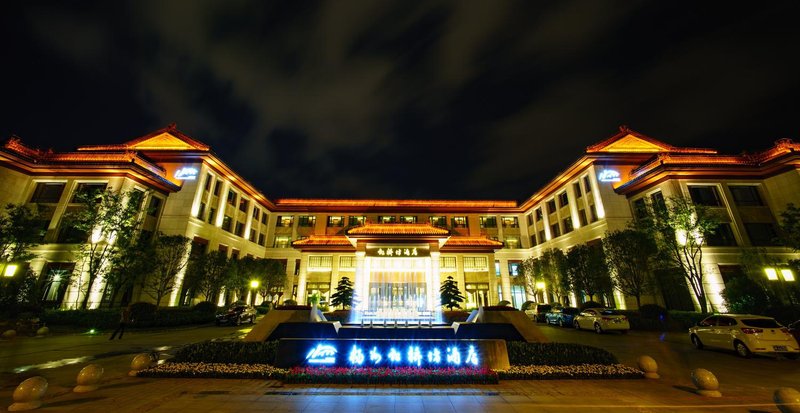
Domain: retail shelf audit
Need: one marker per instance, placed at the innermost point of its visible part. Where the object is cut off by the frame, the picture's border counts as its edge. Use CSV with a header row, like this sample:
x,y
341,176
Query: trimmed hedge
x,y
235,352
397,375
581,371
108,318
556,354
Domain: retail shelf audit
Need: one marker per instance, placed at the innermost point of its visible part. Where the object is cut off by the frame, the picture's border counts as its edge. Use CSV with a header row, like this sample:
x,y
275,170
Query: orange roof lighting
x,y
398,229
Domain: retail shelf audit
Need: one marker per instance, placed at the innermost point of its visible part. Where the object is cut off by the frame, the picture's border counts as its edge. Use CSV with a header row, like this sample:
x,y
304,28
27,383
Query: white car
x,y
746,334
601,319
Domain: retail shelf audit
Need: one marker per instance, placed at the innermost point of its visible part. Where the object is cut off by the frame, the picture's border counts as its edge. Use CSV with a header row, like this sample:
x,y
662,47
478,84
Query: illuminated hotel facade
x,y
480,243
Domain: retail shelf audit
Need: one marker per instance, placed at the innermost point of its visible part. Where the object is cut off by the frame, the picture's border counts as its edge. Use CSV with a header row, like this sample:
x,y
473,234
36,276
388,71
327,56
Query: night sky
x,y
432,99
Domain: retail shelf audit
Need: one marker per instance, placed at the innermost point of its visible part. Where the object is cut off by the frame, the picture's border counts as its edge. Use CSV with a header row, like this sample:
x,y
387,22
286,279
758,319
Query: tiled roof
x,y
472,242
398,229
394,203
323,240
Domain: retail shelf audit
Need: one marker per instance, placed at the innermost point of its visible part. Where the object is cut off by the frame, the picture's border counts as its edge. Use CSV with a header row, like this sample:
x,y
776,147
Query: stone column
x,y
301,279
361,282
505,280
223,203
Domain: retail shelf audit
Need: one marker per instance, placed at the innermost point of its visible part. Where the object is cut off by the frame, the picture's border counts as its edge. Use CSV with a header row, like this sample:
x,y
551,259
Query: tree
x,y
588,271
270,274
206,274
679,228
344,294
128,265
102,219
790,227
20,230
531,274
169,259
451,296
628,255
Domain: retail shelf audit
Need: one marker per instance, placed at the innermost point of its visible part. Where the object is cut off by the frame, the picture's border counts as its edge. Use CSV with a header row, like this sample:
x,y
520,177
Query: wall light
x,y
772,274
787,274
10,270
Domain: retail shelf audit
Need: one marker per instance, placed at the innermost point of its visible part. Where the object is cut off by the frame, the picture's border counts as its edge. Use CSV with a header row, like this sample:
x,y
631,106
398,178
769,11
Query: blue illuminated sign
x,y
608,175
413,354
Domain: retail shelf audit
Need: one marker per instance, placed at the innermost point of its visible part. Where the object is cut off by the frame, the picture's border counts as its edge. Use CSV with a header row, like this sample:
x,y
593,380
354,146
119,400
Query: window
x,y
722,236
231,197
234,254
155,206
657,202
438,221
256,213
541,236
261,239
335,221
576,187
568,225
320,262
587,185
239,231
563,199
497,268
761,234
356,220
447,262
510,222
529,217
512,242
227,222
704,195
212,213
593,212
746,195
475,264
207,185
285,221
488,222
306,220
243,204
538,213
555,231
253,234
48,192
87,189
217,186
264,218
460,222
513,268
347,262
639,208
68,234
386,219
408,219
551,206
533,240
282,241
582,217
202,211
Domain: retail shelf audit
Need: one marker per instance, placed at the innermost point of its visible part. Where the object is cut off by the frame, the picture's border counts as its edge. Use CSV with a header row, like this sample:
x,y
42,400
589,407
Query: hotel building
x,y
399,251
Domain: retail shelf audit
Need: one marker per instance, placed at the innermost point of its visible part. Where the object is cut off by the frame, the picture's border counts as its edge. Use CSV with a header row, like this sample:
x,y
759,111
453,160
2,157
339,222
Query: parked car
x,y
561,316
794,329
538,311
601,319
746,334
237,314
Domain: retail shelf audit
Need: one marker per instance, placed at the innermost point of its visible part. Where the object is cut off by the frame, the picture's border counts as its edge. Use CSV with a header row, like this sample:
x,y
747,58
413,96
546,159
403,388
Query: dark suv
x,y
237,314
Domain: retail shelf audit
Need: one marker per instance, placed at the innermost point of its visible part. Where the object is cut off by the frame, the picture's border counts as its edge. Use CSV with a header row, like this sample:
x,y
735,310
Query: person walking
x,y
124,319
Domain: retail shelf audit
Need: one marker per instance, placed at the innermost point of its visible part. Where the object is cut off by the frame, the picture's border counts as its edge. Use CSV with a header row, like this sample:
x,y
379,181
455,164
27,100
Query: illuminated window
x,y
447,262
510,222
285,221
512,242
306,220
47,192
563,199
438,221
497,268
460,222
282,241
387,219
335,221
514,268
356,220
408,219
320,262
347,262
551,206
705,195
745,195
475,264
488,222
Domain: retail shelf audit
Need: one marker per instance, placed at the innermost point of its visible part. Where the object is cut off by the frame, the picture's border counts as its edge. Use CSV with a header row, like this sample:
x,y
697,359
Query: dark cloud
x,y
440,99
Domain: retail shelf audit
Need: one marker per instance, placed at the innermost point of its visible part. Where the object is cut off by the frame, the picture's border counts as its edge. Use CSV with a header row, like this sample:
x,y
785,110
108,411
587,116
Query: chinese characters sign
x,y
389,251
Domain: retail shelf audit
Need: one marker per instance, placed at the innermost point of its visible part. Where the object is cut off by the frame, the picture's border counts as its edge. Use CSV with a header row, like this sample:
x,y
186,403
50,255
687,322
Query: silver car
x,y
601,319
746,334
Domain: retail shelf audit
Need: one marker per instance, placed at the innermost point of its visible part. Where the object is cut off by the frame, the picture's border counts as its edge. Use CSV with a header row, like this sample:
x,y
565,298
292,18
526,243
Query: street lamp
x,y
253,285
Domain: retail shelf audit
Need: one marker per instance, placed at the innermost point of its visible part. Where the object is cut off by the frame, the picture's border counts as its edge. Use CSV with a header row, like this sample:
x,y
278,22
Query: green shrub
x,y
205,307
143,312
590,304
450,317
744,296
784,314
106,318
235,352
262,309
683,320
528,305
504,303
556,354
653,312
341,316
290,302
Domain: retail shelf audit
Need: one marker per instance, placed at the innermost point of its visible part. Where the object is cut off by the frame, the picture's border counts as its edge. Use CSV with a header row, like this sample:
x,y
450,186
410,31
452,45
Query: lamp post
x,y
781,275
253,286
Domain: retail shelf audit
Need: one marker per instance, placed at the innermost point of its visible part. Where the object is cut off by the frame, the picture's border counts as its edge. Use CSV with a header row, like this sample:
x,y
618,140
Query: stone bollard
x,y
787,399
9,334
43,331
706,383
28,395
140,362
88,378
649,367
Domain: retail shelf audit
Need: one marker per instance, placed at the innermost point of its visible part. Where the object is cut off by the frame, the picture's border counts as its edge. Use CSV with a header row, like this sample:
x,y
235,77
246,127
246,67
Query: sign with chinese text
x,y
398,251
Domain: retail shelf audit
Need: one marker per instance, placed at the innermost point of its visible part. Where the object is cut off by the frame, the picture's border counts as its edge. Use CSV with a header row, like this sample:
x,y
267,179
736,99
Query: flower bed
x,y
215,371
400,375
579,371
557,354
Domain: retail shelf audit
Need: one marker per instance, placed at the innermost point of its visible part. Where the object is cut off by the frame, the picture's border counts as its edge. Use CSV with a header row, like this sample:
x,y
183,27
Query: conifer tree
x,y
451,296
344,294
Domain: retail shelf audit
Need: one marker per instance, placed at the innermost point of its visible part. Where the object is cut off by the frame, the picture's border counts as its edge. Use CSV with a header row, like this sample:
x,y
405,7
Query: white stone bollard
x,y
787,400
140,362
28,395
88,378
706,383
9,334
43,331
649,367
